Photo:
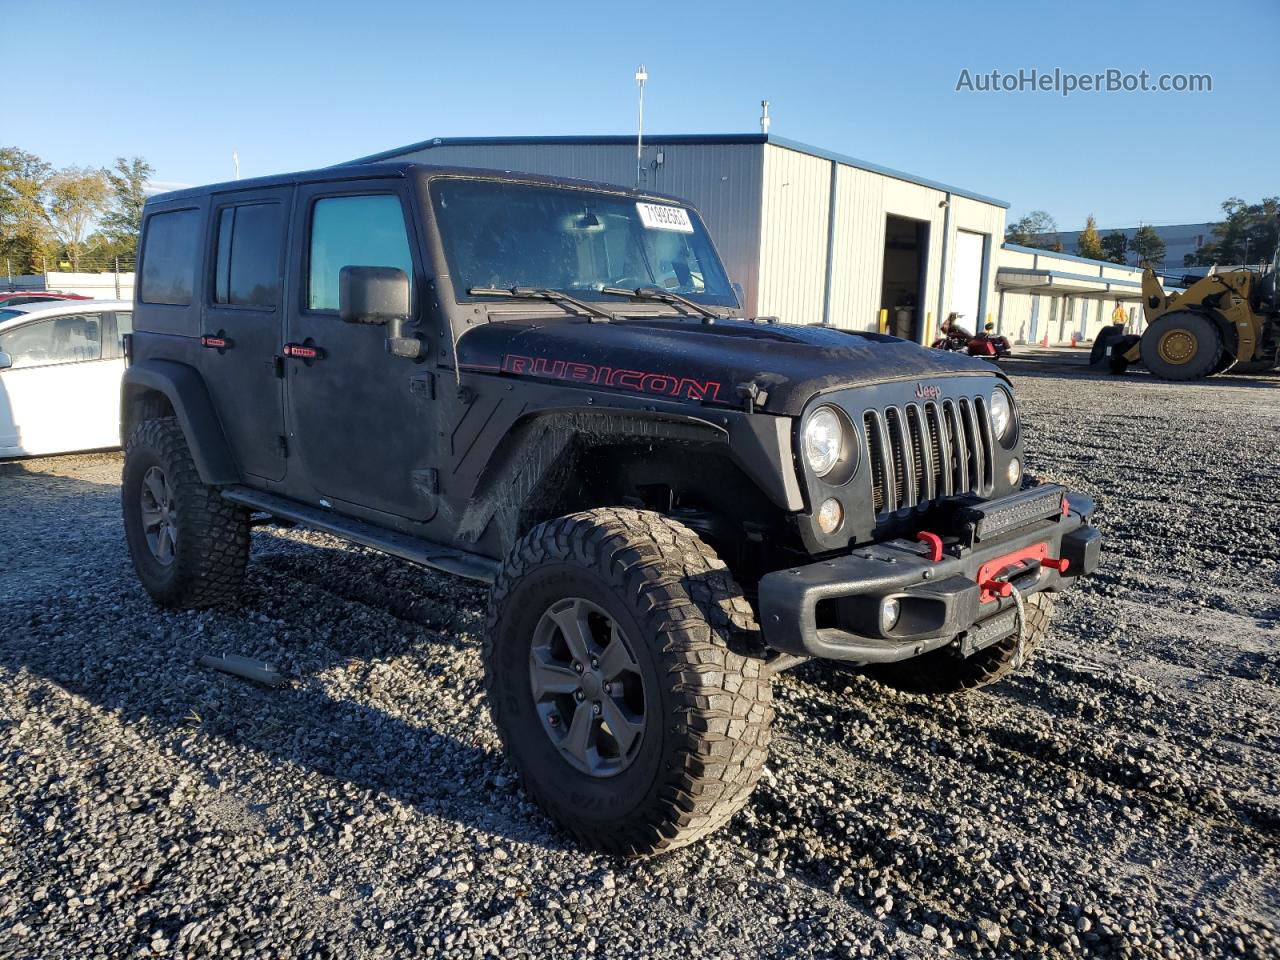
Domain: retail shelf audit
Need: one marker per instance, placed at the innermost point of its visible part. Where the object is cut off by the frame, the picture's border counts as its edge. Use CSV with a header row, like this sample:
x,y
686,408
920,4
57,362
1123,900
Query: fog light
x,y
1015,473
890,611
830,515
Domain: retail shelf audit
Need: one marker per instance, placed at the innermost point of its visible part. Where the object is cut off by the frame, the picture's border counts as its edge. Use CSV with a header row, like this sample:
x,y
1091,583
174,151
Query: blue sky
x,y
292,86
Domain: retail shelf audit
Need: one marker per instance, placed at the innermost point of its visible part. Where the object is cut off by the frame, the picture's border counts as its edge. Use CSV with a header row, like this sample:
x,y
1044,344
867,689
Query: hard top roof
x,y
402,169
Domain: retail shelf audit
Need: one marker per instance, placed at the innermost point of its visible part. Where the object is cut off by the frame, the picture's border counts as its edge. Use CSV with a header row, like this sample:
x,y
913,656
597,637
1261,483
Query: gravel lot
x,y
1121,797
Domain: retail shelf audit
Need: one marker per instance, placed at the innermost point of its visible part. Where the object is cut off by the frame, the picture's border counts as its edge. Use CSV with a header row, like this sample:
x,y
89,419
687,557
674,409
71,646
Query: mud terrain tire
x,y
705,707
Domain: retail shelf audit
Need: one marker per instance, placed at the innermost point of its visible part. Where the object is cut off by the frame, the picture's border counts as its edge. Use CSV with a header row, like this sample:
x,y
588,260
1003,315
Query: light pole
x,y
641,77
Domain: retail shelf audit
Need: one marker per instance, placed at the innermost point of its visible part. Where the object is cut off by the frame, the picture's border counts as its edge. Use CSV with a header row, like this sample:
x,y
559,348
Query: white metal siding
x,y
857,250
721,180
793,235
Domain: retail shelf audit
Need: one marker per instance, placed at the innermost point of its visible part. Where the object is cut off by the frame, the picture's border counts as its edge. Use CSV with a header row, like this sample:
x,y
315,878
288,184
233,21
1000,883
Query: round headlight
x,y
1001,412
822,440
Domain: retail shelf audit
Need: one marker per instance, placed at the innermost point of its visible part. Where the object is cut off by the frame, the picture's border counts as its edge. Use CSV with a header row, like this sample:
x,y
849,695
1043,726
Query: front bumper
x,y
834,608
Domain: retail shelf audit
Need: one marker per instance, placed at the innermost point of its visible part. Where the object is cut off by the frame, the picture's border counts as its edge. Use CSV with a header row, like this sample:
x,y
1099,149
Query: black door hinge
x,y
423,385
282,446
277,366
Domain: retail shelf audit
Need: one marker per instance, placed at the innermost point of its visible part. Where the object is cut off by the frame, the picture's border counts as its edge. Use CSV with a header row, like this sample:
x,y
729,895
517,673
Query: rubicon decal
x,y
641,381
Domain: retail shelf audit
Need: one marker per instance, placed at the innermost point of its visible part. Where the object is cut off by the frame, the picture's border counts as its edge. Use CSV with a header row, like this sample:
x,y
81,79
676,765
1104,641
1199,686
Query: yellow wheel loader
x,y
1224,321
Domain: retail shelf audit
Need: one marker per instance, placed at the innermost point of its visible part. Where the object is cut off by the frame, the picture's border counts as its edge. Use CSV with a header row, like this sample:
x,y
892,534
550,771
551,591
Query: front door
x,y
358,422
242,325
61,393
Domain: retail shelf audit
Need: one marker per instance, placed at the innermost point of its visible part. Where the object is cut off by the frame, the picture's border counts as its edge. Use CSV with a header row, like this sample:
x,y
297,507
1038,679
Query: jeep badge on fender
x,y
546,385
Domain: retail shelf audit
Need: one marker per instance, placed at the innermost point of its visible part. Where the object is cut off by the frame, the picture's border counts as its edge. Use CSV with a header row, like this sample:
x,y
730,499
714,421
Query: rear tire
x,y
1183,346
942,672
695,712
188,545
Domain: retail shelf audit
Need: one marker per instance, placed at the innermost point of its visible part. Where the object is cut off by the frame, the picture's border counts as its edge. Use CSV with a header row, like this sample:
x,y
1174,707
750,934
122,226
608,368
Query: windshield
x,y
521,235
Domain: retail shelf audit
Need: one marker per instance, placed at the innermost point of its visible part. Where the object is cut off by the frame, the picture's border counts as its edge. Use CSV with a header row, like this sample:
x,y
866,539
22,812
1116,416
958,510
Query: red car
x,y
35,296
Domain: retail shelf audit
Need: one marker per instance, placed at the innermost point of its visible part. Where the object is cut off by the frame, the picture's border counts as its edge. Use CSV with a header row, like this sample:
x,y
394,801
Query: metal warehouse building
x,y
812,236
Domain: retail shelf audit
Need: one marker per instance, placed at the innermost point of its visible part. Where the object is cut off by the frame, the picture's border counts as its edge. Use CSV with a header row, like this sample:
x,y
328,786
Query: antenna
x,y
764,117
235,158
641,77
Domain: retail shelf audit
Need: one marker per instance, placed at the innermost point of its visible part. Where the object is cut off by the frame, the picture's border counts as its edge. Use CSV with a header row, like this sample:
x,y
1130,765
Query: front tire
x,y
616,680
942,672
189,546
1184,346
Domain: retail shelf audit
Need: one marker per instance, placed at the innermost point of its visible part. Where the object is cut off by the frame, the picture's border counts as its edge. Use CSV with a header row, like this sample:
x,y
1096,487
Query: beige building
x,y
1055,297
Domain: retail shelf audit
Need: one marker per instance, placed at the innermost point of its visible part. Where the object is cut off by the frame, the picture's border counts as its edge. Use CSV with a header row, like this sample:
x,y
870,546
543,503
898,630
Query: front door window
x,y
44,343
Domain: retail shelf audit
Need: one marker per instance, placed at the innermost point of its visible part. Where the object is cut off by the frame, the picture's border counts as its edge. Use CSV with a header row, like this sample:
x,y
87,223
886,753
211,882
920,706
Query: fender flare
x,y
183,387
760,446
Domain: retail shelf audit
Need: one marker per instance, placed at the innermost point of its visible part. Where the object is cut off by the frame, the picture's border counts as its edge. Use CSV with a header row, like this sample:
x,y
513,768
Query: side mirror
x,y
375,295
6,361
378,296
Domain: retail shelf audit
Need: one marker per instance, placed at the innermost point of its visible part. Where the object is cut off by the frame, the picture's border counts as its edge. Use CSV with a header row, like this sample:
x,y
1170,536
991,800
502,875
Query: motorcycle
x,y
986,345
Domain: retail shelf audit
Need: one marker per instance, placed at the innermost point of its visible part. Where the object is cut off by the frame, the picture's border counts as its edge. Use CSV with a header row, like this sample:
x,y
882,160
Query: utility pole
x,y
641,77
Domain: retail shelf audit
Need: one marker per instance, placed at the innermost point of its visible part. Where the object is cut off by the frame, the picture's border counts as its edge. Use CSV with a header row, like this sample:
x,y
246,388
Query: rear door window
x,y
364,231
169,257
247,272
44,343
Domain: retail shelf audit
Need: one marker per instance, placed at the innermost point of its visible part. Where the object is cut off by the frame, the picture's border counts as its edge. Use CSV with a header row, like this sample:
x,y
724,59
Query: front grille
x,y
921,452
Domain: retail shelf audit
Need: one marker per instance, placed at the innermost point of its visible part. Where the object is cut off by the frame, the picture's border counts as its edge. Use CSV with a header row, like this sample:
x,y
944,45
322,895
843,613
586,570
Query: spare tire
x,y
1183,346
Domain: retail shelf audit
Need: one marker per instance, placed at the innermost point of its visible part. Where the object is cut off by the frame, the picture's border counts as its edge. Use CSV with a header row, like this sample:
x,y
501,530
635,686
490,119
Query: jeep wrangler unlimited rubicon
x,y
544,384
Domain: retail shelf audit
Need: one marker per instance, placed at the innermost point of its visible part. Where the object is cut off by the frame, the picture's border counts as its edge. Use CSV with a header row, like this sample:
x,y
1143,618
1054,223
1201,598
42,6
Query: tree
x,y
1248,234
1115,247
1089,245
76,197
1148,246
1036,229
25,237
122,223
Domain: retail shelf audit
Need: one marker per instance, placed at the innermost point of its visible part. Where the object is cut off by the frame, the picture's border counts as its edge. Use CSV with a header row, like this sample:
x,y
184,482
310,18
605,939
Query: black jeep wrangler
x,y
544,384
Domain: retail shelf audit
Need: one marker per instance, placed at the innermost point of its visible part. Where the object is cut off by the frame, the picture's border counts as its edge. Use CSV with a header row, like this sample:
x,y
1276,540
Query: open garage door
x,y
966,279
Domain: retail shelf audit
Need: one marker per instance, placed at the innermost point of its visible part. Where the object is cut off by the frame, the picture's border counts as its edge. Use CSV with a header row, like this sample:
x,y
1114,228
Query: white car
x,y
60,368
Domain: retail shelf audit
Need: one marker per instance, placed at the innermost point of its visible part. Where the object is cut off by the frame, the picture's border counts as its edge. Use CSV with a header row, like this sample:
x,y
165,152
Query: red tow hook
x,y
935,545
999,588
1059,564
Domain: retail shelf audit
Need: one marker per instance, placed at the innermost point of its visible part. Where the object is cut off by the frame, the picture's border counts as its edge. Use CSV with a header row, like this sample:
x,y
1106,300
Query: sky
x,y
292,86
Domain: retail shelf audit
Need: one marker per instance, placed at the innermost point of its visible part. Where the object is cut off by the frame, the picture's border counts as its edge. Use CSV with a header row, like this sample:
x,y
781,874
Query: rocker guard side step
x,y
947,590
413,549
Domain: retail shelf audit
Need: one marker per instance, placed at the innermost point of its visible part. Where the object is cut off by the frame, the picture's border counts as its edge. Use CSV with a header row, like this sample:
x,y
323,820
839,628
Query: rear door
x,y
61,394
357,419
242,322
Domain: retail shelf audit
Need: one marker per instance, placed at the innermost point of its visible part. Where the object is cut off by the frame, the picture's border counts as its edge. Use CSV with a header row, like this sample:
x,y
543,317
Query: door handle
x,y
217,341
302,351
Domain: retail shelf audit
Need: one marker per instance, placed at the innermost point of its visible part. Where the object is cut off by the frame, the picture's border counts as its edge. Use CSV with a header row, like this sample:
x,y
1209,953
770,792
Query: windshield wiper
x,y
594,314
664,296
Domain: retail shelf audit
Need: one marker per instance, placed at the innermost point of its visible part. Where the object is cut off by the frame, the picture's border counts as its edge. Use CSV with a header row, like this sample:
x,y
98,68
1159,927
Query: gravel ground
x,y
1118,798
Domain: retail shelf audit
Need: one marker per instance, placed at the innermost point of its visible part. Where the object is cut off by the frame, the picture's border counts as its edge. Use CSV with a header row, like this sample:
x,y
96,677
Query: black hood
x,y
706,362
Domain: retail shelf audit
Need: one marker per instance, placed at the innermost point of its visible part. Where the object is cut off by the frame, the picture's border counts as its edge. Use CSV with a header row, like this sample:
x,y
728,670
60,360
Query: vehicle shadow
x,y
356,662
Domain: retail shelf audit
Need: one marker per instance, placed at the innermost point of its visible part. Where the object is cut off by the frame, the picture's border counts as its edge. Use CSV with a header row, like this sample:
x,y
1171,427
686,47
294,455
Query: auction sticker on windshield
x,y
656,216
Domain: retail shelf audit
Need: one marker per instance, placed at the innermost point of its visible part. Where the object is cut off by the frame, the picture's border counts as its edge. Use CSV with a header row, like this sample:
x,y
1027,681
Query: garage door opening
x,y
906,247
966,279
